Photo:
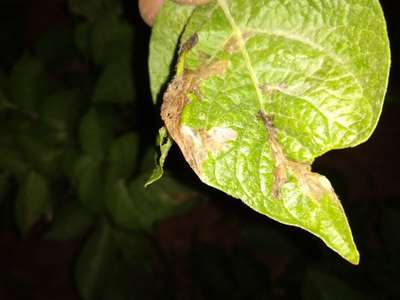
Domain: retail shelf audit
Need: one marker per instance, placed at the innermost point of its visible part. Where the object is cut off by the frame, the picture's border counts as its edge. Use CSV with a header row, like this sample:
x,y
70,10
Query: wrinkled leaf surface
x,y
264,87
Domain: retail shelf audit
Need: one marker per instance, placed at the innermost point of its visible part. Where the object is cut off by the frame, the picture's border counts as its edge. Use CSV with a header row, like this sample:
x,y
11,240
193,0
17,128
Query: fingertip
x,y
149,9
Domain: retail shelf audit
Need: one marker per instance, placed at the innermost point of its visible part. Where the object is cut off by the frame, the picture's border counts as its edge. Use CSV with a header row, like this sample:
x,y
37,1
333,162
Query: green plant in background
x,y
69,141
74,157
262,88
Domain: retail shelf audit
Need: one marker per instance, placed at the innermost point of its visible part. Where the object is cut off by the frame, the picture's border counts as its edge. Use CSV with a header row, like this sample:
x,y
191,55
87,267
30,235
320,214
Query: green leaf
x,y
12,158
115,84
121,206
111,39
70,222
68,159
32,201
89,180
96,132
39,148
60,110
82,37
95,263
28,83
134,207
322,286
167,30
106,40
165,143
264,87
108,262
94,9
122,156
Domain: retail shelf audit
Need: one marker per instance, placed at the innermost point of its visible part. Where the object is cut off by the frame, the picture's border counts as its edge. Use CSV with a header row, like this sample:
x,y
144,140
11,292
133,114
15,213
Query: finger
x,y
149,9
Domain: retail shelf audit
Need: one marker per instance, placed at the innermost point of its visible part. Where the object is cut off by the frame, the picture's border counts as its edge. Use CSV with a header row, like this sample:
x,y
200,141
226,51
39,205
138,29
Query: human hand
x,y
150,8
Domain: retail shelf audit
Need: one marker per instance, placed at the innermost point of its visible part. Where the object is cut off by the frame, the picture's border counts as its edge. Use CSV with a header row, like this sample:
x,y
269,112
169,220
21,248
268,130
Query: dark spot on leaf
x,y
190,43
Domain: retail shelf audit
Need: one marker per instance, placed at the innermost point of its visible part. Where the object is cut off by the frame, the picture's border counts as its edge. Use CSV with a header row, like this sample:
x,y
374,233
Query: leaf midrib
x,y
241,43
238,33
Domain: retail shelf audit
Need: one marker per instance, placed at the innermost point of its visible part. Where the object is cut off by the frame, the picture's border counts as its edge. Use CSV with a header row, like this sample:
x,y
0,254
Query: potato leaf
x,y
264,87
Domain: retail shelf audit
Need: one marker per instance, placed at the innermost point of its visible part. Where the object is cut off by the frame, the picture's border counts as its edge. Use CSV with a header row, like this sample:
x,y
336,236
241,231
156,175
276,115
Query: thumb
x,y
149,9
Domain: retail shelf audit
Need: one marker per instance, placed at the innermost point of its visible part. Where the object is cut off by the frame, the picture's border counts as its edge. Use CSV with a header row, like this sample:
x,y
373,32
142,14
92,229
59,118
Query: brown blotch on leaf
x,y
215,139
268,123
204,142
190,43
269,88
174,101
280,171
232,44
313,185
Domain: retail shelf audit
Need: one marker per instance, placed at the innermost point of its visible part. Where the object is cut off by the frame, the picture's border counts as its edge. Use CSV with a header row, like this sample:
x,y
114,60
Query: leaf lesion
x,y
280,174
232,45
192,144
189,44
313,185
270,88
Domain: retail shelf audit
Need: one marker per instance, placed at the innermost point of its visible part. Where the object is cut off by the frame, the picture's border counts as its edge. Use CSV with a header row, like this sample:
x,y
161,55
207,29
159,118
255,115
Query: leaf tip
x,y
354,257
155,175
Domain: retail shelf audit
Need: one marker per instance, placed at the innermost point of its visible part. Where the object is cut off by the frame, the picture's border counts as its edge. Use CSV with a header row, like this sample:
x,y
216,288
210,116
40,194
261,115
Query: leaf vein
x,y
242,47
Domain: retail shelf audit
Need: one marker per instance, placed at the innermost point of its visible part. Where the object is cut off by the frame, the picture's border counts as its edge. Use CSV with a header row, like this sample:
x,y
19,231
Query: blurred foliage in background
x,y
76,137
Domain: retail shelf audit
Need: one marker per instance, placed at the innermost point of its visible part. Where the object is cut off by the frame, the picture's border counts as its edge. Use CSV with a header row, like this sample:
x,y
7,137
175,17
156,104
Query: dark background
x,y
217,248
